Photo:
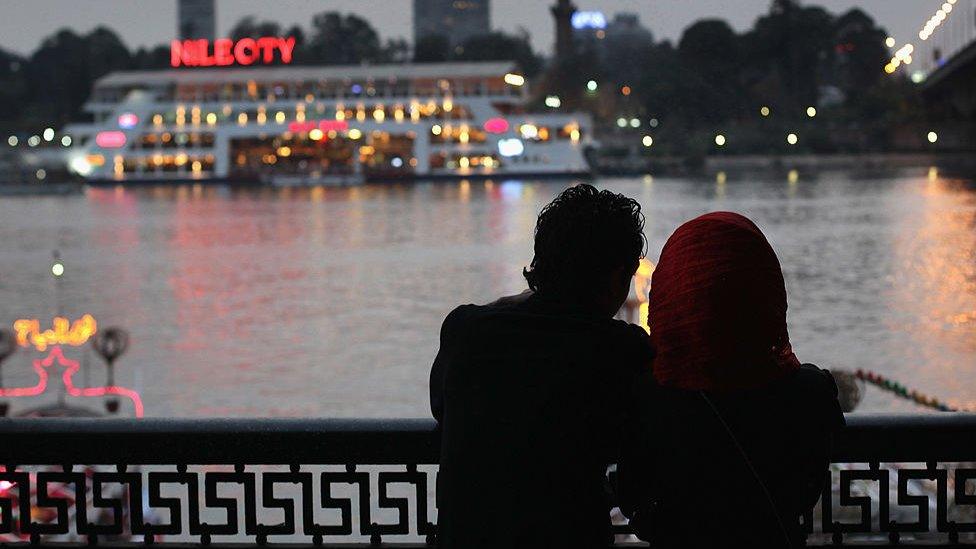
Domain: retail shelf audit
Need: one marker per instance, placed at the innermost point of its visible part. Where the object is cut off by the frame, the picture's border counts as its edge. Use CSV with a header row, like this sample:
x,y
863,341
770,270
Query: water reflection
x,y
327,301
934,285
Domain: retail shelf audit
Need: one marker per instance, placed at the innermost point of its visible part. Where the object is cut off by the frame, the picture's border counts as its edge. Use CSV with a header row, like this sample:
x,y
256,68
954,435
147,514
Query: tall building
x,y
457,20
197,19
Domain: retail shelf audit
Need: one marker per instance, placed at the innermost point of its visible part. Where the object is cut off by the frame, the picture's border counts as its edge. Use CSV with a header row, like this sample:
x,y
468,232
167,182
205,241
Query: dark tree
x,y
396,50
13,93
432,48
500,46
58,76
249,27
709,65
338,39
154,58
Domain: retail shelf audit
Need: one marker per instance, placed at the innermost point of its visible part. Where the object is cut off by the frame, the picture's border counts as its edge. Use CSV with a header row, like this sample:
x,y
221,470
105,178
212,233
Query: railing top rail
x,y
867,438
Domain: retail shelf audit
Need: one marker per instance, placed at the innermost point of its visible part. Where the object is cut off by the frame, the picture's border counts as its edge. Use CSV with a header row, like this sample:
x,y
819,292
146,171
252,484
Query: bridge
x,y
951,88
946,71
895,480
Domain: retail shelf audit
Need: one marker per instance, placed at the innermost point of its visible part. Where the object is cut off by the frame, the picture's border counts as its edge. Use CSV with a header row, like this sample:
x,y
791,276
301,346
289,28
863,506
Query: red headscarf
x,y
717,311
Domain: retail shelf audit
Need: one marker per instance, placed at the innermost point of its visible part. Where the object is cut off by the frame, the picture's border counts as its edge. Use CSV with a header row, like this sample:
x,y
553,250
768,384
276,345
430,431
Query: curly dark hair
x,y
584,234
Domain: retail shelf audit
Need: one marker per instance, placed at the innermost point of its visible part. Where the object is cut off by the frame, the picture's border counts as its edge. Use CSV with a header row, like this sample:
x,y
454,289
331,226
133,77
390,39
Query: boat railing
x,y
896,479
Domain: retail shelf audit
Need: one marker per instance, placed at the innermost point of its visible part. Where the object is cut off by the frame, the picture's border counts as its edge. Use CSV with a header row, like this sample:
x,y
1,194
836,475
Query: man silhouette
x,y
532,391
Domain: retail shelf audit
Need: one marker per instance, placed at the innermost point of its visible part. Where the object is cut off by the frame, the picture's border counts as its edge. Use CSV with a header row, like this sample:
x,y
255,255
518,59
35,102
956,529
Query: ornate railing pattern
x,y
372,482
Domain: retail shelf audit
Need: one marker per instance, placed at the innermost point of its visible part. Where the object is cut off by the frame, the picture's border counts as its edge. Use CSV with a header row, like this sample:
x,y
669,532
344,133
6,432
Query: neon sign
x,y
589,20
110,139
70,368
496,125
63,332
224,51
324,125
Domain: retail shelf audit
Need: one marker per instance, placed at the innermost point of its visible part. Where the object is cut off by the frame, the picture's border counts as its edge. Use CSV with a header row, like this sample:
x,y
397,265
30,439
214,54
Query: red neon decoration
x,y
225,52
496,125
71,367
324,125
110,139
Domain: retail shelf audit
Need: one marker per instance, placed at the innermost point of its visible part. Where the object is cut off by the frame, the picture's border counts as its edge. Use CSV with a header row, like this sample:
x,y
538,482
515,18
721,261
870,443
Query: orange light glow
x,y
63,332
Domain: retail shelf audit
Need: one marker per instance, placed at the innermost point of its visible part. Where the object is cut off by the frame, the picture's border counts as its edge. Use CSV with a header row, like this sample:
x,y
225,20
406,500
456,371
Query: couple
x,y
721,437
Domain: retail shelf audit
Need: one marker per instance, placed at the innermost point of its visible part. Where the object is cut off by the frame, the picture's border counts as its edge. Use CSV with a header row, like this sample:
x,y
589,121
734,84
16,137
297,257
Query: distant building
x,y
592,29
457,20
197,19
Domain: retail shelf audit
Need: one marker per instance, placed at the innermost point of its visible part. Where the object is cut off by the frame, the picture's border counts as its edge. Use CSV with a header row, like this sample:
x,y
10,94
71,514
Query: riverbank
x,y
677,165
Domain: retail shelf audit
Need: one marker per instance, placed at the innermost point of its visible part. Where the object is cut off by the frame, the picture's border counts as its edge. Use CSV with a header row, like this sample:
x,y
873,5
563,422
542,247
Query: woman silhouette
x,y
733,442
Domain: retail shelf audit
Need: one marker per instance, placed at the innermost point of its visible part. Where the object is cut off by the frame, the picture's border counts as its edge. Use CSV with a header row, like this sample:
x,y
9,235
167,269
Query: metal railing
x,y
370,482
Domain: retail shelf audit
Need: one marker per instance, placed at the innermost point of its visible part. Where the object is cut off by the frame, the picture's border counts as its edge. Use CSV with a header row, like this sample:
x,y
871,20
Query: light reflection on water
x,y
327,302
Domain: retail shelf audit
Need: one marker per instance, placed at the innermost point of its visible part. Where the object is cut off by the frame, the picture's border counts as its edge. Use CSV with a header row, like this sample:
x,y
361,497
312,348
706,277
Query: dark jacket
x,y
531,397
687,482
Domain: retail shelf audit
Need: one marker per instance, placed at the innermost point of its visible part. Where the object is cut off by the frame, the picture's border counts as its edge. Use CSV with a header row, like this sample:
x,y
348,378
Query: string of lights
x,y
902,391
903,55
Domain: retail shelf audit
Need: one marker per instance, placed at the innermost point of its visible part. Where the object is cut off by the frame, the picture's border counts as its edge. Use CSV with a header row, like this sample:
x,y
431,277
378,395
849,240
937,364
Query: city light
x,y
436,129
653,123
211,118
284,151
591,85
647,141
811,111
62,331
315,134
553,102
903,55
496,125
890,42
57,269
792,139
48,134
588,20
932,137
622,122
12,140
110,139
80,165
128,120
510,147
764,111
625,90
529,131
66,141
634,123
33,141
513,79
40,174
355,134
720,140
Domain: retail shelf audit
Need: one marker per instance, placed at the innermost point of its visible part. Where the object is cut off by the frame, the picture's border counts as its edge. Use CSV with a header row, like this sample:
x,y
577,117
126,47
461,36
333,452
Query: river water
x,y
327,302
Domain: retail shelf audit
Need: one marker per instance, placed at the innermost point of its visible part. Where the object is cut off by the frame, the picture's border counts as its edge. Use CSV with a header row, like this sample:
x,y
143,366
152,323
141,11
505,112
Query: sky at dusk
x,y
150,22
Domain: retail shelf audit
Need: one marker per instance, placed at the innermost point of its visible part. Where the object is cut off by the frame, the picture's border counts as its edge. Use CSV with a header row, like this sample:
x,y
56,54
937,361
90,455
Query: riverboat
x,y
315,125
